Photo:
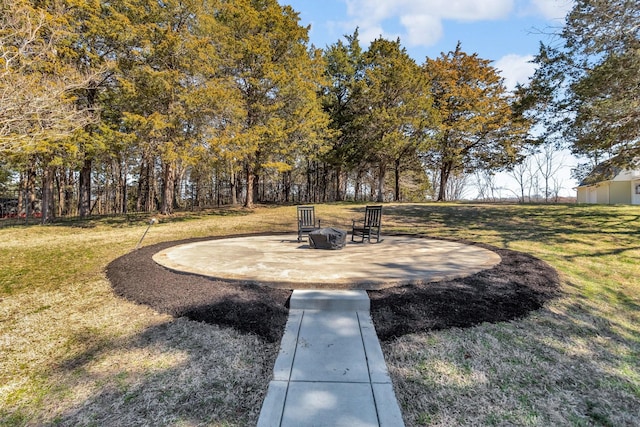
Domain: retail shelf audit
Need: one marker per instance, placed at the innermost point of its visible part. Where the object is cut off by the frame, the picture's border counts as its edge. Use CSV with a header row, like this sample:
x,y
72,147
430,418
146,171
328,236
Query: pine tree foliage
x,y
277,81
395,105
589,84
345,76
476,125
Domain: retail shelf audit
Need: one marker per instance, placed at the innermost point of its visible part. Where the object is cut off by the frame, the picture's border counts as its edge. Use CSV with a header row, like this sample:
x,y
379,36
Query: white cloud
x,y
552,9
515,69
372,32
466,10
420,19
471,10
422,30
420,22
370,10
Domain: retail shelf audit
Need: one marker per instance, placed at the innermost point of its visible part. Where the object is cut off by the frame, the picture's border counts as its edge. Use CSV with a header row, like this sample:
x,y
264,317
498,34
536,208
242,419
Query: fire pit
x,y
327,238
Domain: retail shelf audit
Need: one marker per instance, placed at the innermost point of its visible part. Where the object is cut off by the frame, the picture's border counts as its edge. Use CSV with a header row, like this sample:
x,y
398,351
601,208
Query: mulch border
x,y
519,284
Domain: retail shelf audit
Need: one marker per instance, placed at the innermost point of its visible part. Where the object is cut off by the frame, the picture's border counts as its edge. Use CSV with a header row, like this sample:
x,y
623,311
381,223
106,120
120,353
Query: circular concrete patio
x,y
283,262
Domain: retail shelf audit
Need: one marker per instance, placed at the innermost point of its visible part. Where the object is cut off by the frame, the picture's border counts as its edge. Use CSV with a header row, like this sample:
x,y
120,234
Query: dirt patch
x,y
519,284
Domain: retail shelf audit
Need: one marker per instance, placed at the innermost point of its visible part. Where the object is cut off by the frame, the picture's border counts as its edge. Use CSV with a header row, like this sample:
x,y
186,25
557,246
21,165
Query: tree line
x,y
144,105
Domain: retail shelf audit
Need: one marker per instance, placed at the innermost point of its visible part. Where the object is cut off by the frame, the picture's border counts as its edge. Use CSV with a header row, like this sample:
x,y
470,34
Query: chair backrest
x,y
372,216
306,216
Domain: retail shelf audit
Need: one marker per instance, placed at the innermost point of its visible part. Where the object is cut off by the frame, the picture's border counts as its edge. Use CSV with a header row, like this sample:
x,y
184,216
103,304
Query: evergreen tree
x,y
475,127
40,117
588,87
394,107
345,73
37,84
157,89
277,79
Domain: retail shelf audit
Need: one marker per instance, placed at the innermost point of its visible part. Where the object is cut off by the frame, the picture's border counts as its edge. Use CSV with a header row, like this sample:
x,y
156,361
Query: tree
x,y
523,174
99,33
548,166
590,83
344,71
40,117
277,80
36,87
394,106
476,126
169,92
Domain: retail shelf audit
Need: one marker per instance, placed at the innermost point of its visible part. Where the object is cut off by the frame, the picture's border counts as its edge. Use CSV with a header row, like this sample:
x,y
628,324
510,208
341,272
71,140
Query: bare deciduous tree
x,y
548,165
36,90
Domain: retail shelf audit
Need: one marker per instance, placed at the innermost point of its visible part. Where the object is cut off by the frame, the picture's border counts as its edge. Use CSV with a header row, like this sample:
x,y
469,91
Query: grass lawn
x,y
73,353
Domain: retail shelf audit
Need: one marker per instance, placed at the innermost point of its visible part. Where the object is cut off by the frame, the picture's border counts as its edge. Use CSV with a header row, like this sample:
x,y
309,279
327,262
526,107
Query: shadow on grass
x,y
174,373
555,224
569,366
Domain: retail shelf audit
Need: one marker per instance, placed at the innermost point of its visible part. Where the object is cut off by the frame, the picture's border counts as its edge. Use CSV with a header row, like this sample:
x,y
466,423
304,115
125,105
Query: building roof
x,y
604,171
607,171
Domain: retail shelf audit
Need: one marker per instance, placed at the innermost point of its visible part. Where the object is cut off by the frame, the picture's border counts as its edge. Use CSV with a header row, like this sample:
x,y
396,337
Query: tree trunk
x,y
22,186
59,185
233,183
123,181
250,187
179,184
146,185
257,196
309,181
326,182
121,186
65,194
168,188
47,194
358,185
397,180
84,196
444,178
142,190
339,196
382,171
286,181
30,188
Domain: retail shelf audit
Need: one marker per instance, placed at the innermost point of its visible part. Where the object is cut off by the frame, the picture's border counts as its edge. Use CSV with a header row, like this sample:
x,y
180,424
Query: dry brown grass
x,y
72,353
574,363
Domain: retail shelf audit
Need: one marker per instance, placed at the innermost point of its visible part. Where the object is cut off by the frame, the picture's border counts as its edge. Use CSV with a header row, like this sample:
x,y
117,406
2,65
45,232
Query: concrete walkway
x,y
330,370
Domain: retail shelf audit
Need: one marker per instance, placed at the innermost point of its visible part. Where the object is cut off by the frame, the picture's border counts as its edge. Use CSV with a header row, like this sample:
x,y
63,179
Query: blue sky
x,y
505,31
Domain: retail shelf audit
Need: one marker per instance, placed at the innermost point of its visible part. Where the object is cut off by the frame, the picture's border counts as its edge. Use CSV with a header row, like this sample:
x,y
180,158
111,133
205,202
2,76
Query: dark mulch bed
x,y
519,284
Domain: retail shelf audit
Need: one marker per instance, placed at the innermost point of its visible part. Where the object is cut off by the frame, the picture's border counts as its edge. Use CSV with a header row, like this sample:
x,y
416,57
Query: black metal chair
x,y
306,221
369,226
